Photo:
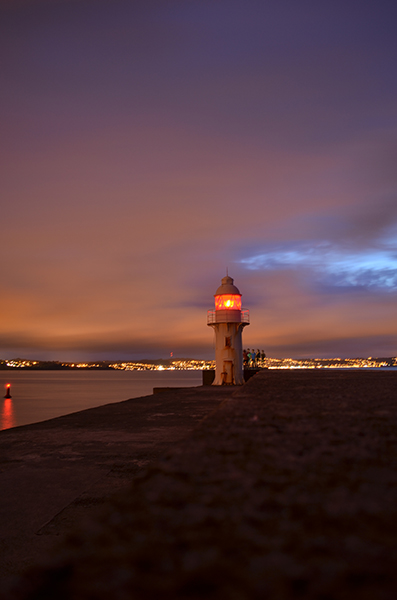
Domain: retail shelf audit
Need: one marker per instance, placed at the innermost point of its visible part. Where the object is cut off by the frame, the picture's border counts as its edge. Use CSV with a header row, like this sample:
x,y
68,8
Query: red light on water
x,y
7,417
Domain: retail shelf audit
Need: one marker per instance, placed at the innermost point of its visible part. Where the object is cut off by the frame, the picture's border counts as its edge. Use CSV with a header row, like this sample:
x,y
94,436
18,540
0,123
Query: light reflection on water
x,y
41,395
7,414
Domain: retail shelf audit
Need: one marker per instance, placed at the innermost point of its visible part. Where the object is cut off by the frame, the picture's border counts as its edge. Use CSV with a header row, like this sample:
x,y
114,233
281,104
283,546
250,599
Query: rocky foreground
x,y
286,489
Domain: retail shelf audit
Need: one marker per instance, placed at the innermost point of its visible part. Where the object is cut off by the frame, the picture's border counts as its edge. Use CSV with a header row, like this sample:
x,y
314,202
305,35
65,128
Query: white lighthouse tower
x,y
228,322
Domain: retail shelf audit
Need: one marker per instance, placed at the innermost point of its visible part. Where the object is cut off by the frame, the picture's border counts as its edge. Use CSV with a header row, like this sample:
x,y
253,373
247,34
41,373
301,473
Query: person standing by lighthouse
x,y
228,321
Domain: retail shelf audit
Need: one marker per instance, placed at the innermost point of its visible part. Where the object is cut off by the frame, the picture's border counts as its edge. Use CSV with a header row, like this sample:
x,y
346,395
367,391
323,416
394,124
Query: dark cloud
x,y
355,347
374,223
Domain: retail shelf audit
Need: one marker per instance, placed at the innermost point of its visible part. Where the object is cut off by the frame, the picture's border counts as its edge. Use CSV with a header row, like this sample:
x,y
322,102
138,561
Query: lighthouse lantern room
x,y
228,321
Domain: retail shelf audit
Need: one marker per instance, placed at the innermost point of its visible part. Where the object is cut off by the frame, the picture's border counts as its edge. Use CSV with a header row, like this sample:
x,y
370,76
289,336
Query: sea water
x,y
41,395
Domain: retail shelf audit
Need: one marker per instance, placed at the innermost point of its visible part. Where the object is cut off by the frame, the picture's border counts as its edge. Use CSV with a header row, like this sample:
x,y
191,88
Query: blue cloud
x,y
330,265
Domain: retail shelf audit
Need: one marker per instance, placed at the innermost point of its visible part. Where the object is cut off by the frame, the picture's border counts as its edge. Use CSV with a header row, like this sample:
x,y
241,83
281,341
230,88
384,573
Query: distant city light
x,y
203,365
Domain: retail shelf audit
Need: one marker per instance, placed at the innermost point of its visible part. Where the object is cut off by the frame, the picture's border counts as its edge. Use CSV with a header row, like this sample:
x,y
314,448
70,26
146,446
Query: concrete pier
x,y
285,487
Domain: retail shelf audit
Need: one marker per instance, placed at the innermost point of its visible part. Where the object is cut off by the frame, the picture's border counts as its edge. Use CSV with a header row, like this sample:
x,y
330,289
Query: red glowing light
x,y
228,302
8,385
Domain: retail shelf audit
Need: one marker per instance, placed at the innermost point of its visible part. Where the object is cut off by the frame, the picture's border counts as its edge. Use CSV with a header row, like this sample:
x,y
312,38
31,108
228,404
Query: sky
x,y
147,147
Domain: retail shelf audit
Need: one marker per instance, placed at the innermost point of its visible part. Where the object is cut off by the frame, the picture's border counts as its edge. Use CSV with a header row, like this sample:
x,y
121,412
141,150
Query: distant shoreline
x,y
193,364
318,368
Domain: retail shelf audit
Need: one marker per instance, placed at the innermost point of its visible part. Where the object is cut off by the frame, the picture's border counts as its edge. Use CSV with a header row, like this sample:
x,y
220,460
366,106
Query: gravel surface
x,y
287,490
54,473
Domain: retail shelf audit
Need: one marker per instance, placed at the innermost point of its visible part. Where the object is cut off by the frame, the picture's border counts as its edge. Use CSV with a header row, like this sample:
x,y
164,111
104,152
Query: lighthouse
x,y
228,321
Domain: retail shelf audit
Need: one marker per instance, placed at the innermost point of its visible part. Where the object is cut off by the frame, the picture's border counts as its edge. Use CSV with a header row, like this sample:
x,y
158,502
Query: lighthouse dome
x,y
227,287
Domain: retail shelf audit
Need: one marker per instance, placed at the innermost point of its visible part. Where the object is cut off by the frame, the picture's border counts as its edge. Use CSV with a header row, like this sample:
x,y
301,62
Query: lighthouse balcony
x,y
228,316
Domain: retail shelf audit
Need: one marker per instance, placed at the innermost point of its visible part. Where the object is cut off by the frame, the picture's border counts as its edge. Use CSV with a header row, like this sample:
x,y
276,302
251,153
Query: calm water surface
x,y
41,395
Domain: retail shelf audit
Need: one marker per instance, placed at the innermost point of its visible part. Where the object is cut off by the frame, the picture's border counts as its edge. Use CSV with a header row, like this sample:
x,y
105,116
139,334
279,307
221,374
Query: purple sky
x,y
148,146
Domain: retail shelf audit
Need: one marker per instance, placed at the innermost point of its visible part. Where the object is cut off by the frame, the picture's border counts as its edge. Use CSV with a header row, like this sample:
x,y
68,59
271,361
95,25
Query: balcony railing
x,y
228,316
245,315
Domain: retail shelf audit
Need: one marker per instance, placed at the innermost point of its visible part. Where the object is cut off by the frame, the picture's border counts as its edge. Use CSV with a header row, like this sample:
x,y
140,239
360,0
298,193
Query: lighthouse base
x,y
228,354
209,375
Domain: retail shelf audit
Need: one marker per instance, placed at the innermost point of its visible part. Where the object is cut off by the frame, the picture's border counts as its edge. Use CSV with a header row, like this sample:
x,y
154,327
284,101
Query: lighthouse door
x,y
227,374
